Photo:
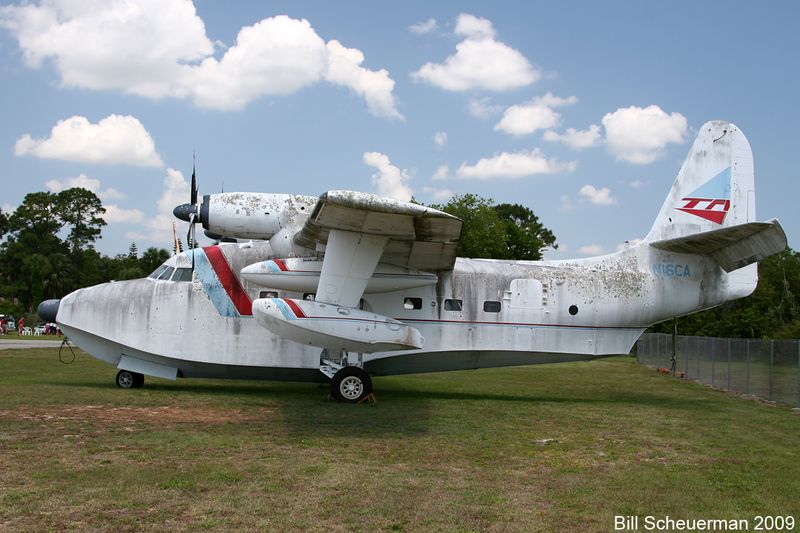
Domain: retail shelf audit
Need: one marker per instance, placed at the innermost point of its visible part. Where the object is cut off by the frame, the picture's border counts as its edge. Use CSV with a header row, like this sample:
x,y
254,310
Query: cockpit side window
x,y
157,272
167,273
182,274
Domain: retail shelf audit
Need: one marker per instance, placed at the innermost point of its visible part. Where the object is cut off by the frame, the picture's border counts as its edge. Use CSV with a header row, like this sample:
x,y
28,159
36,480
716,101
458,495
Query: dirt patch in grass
x,y
109,414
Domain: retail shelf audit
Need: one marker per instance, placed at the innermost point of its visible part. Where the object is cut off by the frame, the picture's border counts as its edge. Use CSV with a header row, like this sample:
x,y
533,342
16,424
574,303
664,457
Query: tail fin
x,y
711,209
714,188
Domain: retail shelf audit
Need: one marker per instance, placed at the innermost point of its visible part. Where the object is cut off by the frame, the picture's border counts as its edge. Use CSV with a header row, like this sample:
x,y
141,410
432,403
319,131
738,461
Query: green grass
x,y
544,448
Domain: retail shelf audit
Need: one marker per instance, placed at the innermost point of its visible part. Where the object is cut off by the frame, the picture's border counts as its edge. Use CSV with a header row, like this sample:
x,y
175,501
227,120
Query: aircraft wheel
x,y
129,380
351,385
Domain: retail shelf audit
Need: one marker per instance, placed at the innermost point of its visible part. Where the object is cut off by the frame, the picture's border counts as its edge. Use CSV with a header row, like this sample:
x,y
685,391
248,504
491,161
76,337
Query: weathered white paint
x,y
548,310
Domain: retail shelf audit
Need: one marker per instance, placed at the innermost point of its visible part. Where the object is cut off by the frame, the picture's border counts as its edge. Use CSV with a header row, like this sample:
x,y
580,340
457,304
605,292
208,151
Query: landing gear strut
x,y
129,380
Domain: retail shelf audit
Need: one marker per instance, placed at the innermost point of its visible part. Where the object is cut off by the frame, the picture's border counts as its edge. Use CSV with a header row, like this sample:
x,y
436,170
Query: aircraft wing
x,y
418,236
358,230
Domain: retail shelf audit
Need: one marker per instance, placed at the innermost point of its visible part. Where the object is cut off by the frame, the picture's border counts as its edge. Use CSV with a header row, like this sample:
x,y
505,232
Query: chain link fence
x,y
768,369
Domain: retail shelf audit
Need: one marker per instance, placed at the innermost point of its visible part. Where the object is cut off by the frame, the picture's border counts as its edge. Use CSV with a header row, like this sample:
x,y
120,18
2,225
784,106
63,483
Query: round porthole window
x,y
573,310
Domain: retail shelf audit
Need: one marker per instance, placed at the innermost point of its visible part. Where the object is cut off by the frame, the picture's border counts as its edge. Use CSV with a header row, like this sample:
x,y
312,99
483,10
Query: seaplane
x,y
349,285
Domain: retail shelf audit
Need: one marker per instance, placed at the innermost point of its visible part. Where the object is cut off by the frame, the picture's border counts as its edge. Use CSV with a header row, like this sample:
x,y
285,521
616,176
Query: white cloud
x,y
483,108
117,215
276,56
637,184
111,45
85,182
390,180
514,165
440,139
159,48
480,62
374,86
474,27
575,139
591,249
598,196
442,172
115,140
639,135
421,28
175,192
538,114
438,194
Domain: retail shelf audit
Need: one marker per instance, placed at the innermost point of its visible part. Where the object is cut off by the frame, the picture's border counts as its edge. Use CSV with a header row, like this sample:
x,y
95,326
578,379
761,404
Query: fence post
x,y
798,374
712,361
747,384
697,354
686,357
771,359
728,386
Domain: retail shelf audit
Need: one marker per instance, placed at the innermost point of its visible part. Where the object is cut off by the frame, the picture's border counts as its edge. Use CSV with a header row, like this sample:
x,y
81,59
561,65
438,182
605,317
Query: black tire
x,y
129,380
351,385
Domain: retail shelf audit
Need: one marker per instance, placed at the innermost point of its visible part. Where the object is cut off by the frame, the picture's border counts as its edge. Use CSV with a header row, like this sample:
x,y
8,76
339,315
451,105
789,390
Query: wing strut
x,y
350,260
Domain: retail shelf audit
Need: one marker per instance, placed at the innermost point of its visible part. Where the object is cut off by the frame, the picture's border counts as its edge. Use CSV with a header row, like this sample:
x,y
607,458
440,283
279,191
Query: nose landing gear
x,y
129,380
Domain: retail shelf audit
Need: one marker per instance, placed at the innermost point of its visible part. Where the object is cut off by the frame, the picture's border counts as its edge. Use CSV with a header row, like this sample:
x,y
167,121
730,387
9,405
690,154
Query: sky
x,y
581,111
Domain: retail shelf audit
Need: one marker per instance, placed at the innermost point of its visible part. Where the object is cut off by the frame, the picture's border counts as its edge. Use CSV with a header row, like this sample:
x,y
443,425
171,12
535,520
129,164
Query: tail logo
x,y
712,200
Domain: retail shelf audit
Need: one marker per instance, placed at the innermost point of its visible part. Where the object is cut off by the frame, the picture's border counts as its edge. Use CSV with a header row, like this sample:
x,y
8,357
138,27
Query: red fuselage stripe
x,y
295,308
229,280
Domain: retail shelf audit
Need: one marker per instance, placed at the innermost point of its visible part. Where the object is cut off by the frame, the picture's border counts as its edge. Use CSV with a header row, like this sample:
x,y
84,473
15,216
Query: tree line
x,y
48,251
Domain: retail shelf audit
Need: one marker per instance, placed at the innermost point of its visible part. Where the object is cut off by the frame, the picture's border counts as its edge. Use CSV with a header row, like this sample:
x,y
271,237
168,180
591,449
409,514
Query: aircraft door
x,y
525,309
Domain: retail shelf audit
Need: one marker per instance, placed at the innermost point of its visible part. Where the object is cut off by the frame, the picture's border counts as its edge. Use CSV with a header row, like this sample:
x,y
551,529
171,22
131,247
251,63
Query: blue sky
x,y
582,111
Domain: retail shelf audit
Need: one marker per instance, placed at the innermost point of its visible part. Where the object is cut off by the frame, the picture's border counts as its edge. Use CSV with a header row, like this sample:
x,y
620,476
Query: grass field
x,y
545,448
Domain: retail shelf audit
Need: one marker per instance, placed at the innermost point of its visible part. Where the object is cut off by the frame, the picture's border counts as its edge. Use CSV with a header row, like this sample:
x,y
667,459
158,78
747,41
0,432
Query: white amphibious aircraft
x,y
352,285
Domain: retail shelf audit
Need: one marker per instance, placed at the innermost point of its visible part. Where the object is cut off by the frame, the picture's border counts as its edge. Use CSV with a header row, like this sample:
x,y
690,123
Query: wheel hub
x,y
351,387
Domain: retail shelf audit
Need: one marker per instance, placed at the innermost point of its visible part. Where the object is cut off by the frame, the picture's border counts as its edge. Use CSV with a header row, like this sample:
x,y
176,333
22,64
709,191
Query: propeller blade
x,y
190,238
194,187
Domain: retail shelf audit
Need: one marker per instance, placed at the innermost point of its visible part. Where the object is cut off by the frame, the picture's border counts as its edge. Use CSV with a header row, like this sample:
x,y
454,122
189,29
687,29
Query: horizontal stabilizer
x,y
733,247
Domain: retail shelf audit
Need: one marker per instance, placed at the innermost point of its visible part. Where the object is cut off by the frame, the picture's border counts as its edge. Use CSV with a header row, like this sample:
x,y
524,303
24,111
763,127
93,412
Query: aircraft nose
x,y
48,310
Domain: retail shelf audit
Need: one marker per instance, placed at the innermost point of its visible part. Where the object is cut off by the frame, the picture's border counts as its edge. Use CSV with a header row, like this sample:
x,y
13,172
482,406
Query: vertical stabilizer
x,y
714,188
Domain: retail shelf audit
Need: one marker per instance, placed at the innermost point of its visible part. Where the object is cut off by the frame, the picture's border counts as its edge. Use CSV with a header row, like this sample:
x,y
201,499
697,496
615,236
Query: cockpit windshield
x,y
169,273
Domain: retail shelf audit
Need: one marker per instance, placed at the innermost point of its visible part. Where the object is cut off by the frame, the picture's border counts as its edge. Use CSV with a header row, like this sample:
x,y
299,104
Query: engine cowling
x,y
247,215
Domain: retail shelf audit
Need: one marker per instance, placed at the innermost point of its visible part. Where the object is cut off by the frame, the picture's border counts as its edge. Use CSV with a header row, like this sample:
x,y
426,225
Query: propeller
x,y
190,235
188,212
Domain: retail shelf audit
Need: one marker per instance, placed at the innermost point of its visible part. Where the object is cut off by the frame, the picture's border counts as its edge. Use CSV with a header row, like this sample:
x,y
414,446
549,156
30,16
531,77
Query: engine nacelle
x,y
250,215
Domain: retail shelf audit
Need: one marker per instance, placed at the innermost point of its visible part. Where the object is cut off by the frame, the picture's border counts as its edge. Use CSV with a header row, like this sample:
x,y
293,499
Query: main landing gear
x,y
349,383
129,380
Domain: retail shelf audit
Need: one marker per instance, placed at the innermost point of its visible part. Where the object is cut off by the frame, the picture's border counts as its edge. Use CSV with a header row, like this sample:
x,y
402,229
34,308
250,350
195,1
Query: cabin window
x,y
309,296
167,274
412,303
573,310
491,306
268,294
157,272
182,274
453,305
